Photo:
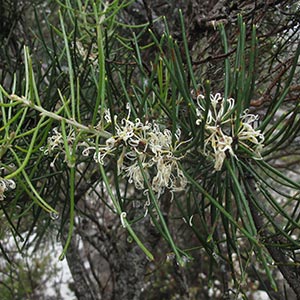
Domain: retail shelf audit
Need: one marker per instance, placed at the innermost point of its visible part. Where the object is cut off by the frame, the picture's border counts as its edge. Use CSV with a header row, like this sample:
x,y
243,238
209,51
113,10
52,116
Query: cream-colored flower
x,y
107,116
84,53
162,178
135,175
6,185
220,130
247,134
219,109
55,144
160,142
137,144
55,141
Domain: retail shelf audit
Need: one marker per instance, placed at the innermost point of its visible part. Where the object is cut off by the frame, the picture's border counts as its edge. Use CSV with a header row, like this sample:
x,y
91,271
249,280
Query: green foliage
x,y
95,111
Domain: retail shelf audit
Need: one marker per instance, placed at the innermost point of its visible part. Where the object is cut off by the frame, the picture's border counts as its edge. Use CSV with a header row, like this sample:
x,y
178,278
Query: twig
x,y
59,118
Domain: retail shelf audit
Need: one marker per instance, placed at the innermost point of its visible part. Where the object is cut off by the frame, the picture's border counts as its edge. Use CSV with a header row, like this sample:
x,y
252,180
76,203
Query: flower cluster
x,y
143,145
6,185
220,129
55,144
85,54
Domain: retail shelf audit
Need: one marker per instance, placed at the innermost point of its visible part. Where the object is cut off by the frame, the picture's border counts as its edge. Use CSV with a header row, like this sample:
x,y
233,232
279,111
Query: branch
x,y
289,272
59,118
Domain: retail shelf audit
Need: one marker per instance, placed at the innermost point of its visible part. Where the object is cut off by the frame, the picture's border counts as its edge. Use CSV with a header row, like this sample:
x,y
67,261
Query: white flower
x,y
220,130
137,144
218,111
56,141
220,143
126,130
134,173
122,218
162,177
84,53
107,116
247,133
160,142
6,185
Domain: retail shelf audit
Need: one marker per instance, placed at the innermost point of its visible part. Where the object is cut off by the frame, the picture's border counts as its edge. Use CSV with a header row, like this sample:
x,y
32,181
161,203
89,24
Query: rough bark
x,y
83,288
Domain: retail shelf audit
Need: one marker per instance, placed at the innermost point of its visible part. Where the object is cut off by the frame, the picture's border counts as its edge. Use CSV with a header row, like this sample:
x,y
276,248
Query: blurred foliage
x,y
28,273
